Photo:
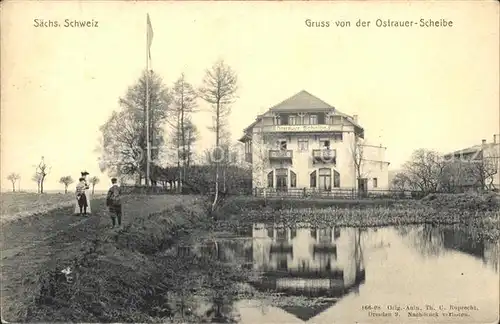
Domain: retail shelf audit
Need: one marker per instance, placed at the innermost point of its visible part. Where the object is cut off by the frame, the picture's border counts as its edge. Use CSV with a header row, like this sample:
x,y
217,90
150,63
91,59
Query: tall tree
x,y
93,181
66,181
13,177
123,144
42,170
184,103
219,90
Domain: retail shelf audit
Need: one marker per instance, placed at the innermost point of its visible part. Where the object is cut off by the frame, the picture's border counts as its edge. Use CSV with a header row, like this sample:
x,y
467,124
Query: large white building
x,y
307,144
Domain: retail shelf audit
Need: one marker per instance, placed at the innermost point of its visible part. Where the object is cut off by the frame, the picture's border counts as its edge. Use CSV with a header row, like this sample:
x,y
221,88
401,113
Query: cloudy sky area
x,y
435,88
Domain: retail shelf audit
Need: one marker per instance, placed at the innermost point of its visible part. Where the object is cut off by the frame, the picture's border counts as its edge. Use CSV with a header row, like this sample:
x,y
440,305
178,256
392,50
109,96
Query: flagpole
x,y
147,104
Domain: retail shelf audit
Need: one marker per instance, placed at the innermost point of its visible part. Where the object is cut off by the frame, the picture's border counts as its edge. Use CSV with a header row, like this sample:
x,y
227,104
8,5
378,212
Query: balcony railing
x,y
280,154
325,156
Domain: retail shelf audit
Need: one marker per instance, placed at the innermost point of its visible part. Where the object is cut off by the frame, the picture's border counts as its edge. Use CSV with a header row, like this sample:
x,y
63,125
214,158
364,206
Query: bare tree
x,y
357,154
425,171
36,178
42,170
219,90
262,141
483,171
184,99
13,177
93,181
66,181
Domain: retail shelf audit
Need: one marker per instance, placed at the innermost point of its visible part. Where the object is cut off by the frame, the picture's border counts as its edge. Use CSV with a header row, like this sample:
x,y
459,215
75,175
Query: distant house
x,y
478,166
304,142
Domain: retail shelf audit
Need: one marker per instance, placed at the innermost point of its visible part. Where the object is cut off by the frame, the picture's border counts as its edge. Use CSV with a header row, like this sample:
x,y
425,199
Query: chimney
x,y
484,141
355,118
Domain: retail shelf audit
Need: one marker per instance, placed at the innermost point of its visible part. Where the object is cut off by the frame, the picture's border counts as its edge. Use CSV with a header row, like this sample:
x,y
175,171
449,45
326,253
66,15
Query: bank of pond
x,y
268,263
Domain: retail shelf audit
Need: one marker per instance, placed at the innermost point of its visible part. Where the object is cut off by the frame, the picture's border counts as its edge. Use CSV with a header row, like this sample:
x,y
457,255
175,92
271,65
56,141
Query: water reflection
x,y
307,261
435,241
324,275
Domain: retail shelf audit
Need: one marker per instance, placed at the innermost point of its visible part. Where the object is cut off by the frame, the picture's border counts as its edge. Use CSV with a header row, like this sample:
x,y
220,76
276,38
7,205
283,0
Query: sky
x,y
434,88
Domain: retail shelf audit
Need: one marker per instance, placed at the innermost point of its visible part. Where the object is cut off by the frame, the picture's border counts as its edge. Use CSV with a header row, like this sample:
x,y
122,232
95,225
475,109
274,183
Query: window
x,y
337,137
248,147
313,119
303,144
305,120
277,120
270,232
325,144
292,120
293,179
325,179
281,144
270,179
312,180
336,179
375,183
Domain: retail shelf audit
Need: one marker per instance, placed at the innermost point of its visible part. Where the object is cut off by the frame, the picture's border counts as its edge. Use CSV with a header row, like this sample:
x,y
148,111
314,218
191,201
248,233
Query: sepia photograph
x,y
250,162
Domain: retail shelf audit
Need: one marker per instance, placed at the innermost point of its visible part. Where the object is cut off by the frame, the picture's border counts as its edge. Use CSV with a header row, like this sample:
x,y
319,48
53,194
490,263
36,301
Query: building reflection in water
x,y
305,261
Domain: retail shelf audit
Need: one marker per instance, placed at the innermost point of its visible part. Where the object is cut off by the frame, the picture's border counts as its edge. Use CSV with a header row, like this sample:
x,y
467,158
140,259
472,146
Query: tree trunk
x,y
41,184
13,187
65,189
217,161
93,186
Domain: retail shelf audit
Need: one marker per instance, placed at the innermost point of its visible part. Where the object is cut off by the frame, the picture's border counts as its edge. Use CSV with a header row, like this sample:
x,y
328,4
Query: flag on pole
x,y
149,35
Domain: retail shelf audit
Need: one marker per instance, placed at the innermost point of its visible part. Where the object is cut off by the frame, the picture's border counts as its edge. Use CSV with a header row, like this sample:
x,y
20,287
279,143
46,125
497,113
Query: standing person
x,y
84,175
81,197
114,203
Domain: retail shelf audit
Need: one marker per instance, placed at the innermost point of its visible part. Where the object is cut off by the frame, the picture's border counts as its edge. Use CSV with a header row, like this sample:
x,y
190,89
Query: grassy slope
x,y
33,246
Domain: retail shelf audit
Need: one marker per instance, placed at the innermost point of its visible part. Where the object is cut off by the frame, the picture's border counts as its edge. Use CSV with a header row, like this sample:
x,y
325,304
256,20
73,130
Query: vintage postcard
x,y
250,162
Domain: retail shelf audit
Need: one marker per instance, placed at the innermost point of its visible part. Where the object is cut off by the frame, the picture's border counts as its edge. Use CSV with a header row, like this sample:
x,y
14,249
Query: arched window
x,y
325,179
336,179
312,180
270,179
293,179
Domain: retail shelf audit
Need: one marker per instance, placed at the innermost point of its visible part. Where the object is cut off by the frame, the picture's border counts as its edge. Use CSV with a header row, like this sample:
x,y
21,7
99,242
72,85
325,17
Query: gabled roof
x,y
472,149
302,101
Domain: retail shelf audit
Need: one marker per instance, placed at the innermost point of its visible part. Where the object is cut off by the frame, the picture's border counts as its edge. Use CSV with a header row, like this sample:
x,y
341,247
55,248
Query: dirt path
x,y
35,244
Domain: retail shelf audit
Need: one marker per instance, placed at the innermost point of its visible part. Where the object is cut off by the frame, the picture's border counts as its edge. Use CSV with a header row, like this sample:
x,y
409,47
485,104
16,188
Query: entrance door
x,y
281,179
325,179
363,186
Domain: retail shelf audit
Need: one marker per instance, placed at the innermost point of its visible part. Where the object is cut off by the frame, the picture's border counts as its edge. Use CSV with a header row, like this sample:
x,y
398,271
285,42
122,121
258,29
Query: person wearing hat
x,y
86,194
114,204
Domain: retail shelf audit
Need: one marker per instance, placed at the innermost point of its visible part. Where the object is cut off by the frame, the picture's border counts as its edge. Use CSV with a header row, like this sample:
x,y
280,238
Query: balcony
x,y
280,155
325,156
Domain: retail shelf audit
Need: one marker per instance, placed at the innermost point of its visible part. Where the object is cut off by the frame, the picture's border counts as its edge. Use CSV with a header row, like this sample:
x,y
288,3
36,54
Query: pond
x,y
418,273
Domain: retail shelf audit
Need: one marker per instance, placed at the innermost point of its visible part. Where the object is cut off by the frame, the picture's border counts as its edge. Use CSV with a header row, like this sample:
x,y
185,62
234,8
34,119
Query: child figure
x,y
113,202
81,198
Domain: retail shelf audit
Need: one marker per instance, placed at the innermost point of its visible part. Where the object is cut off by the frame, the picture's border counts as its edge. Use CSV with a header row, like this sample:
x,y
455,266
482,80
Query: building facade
x,y
476,167
305,143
